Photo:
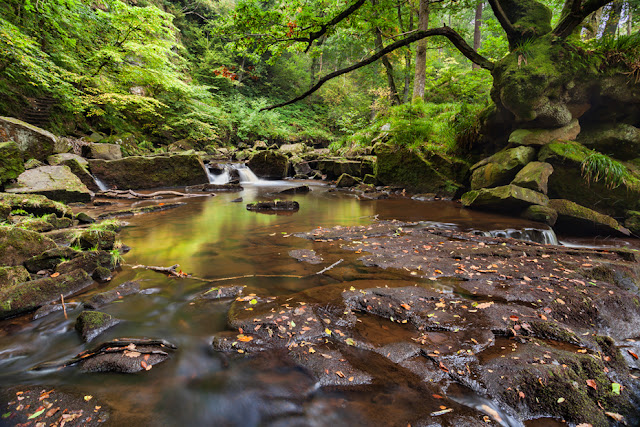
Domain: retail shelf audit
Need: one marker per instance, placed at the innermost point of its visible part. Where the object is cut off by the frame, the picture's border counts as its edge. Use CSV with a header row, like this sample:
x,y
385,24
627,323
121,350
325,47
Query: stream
x,y
215,238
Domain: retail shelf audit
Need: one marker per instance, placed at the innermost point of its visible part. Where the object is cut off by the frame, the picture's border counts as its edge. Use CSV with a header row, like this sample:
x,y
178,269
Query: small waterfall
x,y
232,170
547,237
101,185
246,174
221,179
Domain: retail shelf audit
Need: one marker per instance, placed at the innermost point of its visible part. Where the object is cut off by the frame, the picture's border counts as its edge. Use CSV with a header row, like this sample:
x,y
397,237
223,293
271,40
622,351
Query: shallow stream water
x,y
215,238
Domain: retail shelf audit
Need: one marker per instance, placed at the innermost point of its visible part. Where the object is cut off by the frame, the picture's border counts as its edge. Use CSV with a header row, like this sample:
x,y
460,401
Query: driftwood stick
x,y
167,270
130,194
64,308
330,267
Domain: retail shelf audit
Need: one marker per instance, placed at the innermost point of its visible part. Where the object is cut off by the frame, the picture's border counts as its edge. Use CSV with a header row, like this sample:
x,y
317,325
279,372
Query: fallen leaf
x,y
145,365
635,356
592,384
350,341
244,338
88,397
340,374
560,400
36,414
484,305
51,411
489,410
131,354
615,416
408,307
514,318
521,394
437,396
615,387
56,274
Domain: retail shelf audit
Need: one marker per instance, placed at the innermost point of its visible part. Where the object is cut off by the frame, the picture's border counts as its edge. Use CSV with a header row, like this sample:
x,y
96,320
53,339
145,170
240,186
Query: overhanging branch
x,y
504,21
445,31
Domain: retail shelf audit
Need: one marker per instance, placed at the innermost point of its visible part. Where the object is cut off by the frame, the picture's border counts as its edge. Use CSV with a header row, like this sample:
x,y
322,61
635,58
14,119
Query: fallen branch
x,y
64,308
130,194
167,270
330,267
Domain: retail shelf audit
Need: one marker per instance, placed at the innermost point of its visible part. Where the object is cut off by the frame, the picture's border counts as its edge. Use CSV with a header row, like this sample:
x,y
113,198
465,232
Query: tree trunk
x,y
476,30
592,24
419,80
629,18
393,95
613,18
407,55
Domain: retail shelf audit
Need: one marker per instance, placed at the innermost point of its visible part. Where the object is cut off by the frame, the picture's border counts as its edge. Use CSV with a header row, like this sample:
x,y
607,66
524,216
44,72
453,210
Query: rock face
x,y
31,140
580,220
137,172
541,214
102,151
11,164
333,168
505,198
500,168
292,149
535,176
619,140
55,182
269,164
18,245
399,166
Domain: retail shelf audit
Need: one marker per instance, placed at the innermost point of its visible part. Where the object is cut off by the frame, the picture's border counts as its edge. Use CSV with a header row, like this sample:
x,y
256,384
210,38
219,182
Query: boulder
x,y
11,163
576,219
18,245
11,276
79,167
36,204
500,168
5,211
124,355
102,151
505,198
32,164
138,172
538,137
301,167
335,167
29,296
418,172
48,260
540,213
370,179
619,140
276,205
55,182
292,149
104,298
88,261
90,324
32,141
269,164
535,176
347,180
94,239
632,222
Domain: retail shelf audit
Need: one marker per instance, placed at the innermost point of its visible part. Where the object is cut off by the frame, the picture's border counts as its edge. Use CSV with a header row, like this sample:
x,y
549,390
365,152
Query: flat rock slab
x,y
55,182
306,255
18,245
276,205
140,211
303,189
120,291
36,204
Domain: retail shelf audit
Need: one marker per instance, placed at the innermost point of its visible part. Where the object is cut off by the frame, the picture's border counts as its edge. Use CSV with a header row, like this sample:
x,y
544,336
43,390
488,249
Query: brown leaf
x,y
340,374
56,274
592,384
635,356
521,394
244,338
145,365
514,318
131,354
408,307
444,368
615,416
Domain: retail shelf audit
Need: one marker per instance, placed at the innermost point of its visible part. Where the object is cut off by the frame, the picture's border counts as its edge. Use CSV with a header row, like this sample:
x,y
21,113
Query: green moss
x,y
11,162
552,331
92,320
36,204
611,351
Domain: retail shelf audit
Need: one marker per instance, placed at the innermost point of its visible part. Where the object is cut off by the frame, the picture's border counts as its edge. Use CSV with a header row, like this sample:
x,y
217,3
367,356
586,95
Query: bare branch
x,y
324,27
444,31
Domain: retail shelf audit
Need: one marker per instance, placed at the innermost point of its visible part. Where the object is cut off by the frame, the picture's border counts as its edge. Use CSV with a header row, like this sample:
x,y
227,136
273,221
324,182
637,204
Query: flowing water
x,y
215,238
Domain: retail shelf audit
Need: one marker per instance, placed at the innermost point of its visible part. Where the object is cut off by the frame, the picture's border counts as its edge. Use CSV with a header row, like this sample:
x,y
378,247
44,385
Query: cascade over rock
x,y
79,167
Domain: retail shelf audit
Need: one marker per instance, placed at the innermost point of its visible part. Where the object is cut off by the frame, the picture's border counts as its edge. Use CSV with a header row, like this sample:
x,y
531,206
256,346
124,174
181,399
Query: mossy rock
x,y
417,172
10,276
347,180
539,137
334,167
29,296
90,324
505,198
36,204
632,222
577,219
370,180
55,182
58,223
138,172
79,167
500,168
564,152
269,164
534,176
32,164
539,213
619,140
88,261
48,260
95,239
101,150
11,162
18,245
32,141
5,211
34,224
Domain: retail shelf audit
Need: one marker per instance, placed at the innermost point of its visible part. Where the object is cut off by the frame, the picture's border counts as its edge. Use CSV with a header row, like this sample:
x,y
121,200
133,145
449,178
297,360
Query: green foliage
x,y
116,257
599,167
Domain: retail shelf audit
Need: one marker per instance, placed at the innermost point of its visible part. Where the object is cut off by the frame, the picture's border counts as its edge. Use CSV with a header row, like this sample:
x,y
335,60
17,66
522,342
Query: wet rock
x,y
500,168
620,140
229,187
11,163
302,189
32,224
58,223
79,167
49,259
90,324
306,255
221,292
10,276
84,218
376,195
104,298
102,151
329,366
124,356
238,200
505,198
346,180
31,140
632,222
18,245
538,137
29,296
102,274
140,211
55,182
46,310
335,167
95,239
61,406
276,205
539,213
88,261
301,167
370,179
137,172
573,218
535,176
269,164
36,204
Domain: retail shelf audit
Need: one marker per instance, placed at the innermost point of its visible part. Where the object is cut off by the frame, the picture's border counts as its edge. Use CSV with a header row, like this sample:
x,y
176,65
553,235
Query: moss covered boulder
x,y
88,261
55,182
347,180
506,198
10,276
36,204
535,176
48,260
18,245
5,210
90,324
102,151
632,222
619,140
29,296
576,219
500,168
539,137
539,213
11,162
417,171
95,239
79,167
32,141
334,167
269,164
138,172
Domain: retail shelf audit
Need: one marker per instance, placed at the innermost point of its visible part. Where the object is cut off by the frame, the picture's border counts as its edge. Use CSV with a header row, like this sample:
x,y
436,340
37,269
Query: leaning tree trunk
x,y
613,18
476,30
419,80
